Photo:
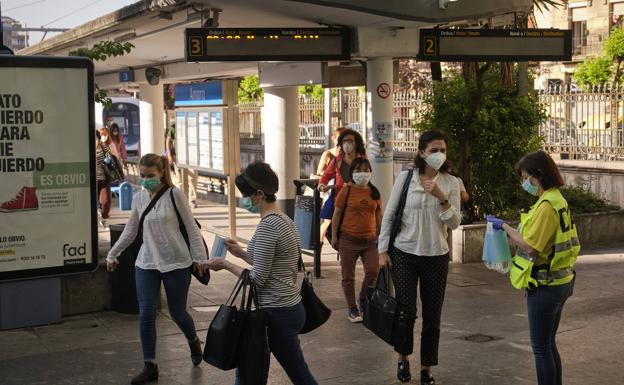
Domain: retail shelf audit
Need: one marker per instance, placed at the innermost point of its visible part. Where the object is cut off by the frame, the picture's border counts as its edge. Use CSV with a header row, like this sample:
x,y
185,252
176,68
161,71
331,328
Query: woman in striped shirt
x,y
274,252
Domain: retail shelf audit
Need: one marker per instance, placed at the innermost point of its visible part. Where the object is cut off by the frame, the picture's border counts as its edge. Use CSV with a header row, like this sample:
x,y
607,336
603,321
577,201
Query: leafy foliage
x,y
545,5
581,200
593,71
249,89
100,52
315,91
504,129
607,67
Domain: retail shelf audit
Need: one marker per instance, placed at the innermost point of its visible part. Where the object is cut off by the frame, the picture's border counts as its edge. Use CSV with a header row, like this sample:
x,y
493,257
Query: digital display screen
x,y
267,44
495,45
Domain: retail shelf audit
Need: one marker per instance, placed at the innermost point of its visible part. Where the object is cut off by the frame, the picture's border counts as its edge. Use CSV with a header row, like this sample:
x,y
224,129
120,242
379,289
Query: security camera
x,y
153,75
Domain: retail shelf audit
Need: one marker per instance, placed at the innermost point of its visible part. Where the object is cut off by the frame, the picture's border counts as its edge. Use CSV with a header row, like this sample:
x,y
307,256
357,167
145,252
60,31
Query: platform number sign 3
x,y
430,45
196,47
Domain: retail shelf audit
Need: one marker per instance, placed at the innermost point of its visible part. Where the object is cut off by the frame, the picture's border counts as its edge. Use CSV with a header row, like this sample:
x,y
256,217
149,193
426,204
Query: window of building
x,y
617,15
579,28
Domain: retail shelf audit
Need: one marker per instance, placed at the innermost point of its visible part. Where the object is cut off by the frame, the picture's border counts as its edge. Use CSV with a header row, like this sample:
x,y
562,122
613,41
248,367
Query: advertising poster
x,y
48,223
382,141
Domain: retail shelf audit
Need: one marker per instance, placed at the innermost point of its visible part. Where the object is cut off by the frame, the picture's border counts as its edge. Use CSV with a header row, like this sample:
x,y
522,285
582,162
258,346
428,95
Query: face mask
x,y
435,160
347,147
362,178
249,206
115,133
104,138
149,183
528,187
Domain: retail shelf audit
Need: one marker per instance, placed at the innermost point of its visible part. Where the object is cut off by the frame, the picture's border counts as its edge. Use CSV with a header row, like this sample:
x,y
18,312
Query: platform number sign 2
x,y
195,46
430,45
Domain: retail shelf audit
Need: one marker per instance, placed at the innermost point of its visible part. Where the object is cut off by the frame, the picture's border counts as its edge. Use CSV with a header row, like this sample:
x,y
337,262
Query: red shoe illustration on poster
x,y
25,200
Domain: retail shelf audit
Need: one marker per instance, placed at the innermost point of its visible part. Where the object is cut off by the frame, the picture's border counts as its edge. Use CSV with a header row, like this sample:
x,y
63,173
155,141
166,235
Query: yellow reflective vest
x,y
522,273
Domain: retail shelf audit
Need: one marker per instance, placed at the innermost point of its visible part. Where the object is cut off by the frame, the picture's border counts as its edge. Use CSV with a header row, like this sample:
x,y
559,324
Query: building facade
x,y
13,37
590,22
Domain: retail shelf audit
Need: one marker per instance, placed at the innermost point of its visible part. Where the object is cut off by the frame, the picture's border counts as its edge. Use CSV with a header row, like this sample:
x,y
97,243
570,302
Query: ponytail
x,y
166,178
375,194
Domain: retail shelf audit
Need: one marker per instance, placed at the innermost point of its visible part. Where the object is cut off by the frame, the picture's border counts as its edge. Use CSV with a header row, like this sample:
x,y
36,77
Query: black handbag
x,y
383,314
316,311
254,354
339,224
205,277
226,328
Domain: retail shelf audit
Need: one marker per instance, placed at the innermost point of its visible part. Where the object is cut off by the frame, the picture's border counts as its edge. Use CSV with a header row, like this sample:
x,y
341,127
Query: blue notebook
x,y
218,248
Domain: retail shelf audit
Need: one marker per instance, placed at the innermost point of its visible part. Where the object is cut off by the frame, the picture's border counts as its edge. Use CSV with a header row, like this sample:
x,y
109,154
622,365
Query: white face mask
x,y
104,138
435,160
347,147
362,178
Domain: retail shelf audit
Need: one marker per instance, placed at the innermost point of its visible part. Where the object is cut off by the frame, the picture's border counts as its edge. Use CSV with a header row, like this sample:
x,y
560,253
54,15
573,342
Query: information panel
x,y
200,138
267,44
48,222
495,45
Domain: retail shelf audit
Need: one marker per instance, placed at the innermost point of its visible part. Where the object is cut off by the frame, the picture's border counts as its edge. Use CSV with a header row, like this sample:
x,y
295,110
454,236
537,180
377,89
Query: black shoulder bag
x,y
205,278
398,214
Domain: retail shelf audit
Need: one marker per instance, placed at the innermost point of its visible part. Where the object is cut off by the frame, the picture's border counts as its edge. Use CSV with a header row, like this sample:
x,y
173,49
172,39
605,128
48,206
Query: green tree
x,y
100,52
312,90
485,143
249,90
593,71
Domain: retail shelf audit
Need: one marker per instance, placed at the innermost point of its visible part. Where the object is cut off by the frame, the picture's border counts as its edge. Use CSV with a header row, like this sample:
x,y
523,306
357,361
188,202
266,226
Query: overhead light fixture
x,y
445,3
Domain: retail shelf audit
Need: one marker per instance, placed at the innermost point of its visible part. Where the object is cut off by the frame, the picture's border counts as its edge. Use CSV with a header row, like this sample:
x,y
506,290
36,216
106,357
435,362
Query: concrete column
x,y
152,118
280,124
379,123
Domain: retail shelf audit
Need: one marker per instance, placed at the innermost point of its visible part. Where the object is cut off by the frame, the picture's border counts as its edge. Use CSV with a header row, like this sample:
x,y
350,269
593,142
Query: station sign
x,y
267,44
199,94
48,217
462,45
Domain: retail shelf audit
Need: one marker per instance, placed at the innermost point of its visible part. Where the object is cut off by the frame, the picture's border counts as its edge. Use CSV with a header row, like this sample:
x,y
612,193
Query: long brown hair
x,y
540,165
161,163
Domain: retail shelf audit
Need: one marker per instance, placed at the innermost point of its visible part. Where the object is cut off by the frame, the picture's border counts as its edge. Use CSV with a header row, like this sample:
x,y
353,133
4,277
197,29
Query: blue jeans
x,y
545,304
176,284
284,326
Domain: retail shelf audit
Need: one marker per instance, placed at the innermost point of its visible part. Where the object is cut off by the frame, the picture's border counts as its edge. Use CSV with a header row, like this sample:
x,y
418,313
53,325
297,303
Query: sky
x,y
58,13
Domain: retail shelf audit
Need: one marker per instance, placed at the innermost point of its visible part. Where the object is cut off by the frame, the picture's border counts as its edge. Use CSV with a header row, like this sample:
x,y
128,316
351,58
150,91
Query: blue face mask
x,y
149,183
528,187
249,206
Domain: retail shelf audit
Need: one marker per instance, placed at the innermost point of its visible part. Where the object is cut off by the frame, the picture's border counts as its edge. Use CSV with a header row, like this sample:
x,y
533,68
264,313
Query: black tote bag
x,y
383,314
253,349
224,333
316,311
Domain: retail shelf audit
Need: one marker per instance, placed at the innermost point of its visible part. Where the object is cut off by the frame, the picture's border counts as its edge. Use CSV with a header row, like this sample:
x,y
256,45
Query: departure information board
x,y
267,44
495,45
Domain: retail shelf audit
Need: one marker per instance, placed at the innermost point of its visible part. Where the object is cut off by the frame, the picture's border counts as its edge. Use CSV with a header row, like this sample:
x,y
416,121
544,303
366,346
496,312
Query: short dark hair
x,y
258,176
359,142
424,140
357,162
540,165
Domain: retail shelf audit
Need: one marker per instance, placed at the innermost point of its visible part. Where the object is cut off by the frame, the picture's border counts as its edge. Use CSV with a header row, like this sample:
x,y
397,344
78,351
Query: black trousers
x,y
408,270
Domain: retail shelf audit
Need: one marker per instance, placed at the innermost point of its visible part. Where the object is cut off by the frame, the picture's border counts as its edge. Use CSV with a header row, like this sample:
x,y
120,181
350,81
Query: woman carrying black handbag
x,y
273,253
423,205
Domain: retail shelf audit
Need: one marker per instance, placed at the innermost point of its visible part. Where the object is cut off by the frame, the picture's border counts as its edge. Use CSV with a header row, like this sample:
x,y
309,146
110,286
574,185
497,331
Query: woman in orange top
x,y
355,233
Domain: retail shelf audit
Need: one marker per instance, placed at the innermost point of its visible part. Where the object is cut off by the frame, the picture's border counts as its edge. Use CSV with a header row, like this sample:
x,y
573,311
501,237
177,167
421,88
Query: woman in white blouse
x,y
163,256
419,253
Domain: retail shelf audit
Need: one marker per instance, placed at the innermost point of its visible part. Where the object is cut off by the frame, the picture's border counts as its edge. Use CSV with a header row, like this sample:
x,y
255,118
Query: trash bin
x,y
123,290
304,220
125,196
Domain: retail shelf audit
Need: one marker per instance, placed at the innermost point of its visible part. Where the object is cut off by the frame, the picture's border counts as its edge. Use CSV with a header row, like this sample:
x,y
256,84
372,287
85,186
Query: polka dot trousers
x,y
408,271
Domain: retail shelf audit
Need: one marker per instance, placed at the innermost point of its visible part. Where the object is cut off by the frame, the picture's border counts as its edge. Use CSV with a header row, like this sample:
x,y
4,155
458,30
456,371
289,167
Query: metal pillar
x,y
280,124
232,147
152,118
379,123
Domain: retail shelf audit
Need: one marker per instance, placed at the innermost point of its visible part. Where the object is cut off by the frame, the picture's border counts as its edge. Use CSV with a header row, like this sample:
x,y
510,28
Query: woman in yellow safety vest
x,y
544,262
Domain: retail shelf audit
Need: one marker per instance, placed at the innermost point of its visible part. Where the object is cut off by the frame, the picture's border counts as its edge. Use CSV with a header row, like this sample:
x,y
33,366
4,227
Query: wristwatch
x,y
444,202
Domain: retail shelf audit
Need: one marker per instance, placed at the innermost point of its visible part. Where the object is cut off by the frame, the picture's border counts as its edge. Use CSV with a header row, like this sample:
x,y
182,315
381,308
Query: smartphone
x,y
218,248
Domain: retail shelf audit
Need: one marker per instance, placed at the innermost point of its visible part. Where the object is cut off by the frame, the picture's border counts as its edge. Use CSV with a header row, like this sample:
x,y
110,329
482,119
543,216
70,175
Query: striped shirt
x,y
274,250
